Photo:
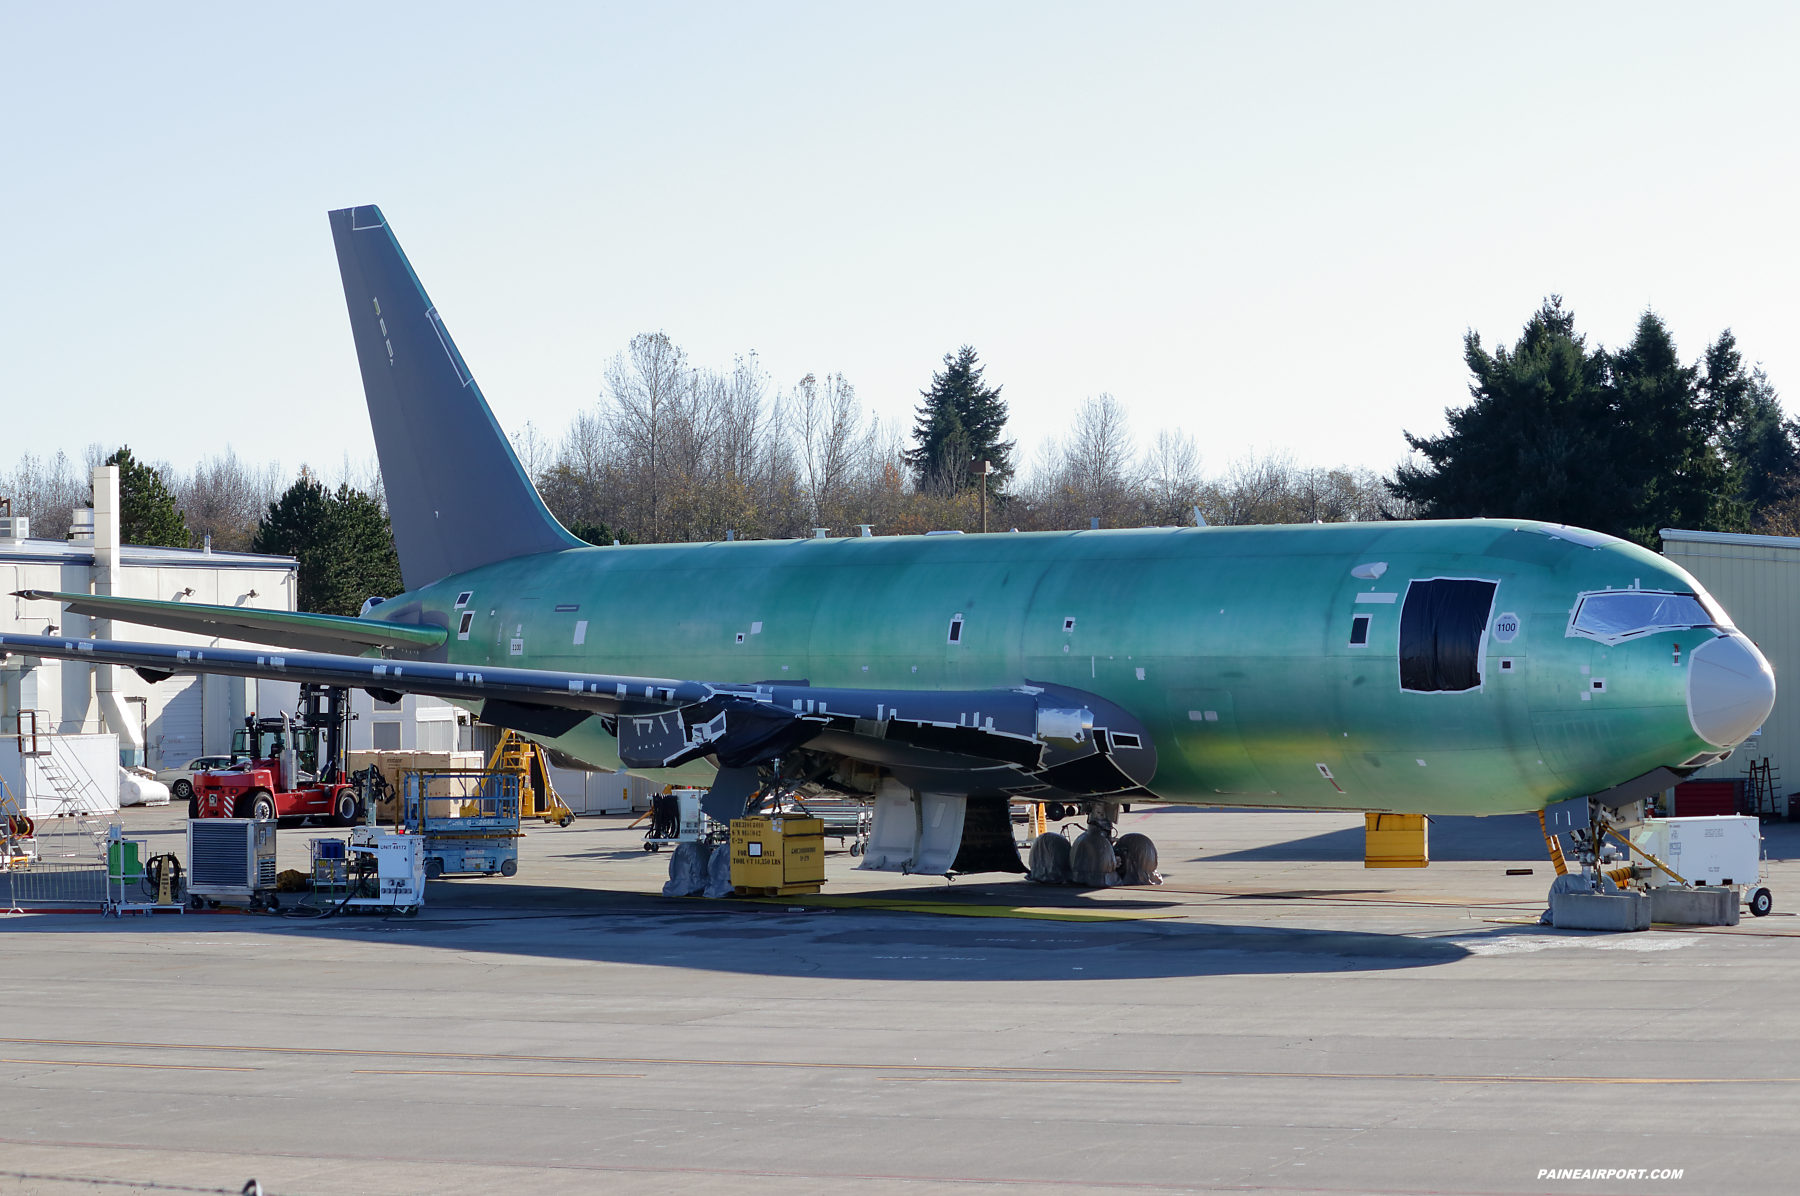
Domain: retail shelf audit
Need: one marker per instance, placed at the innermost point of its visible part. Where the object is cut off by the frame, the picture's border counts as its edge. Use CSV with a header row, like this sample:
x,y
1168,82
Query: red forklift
x,y
289,766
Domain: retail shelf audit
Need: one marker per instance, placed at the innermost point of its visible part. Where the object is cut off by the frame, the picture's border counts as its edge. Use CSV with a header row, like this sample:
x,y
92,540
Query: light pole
x,y
987,467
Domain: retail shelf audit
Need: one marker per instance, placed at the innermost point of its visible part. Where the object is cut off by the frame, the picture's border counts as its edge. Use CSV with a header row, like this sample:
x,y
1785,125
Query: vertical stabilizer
x,y
456,493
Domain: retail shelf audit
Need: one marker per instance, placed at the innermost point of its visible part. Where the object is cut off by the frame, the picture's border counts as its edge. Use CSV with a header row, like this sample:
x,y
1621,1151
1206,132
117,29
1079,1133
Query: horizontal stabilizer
x,y
283,629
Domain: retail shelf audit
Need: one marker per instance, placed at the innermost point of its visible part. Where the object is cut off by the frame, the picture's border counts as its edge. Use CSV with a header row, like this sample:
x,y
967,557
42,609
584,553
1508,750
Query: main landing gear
x,y
1097,858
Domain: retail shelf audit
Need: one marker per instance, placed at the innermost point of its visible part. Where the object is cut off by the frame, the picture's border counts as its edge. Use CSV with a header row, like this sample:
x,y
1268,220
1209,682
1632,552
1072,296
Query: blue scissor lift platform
x,y
468,819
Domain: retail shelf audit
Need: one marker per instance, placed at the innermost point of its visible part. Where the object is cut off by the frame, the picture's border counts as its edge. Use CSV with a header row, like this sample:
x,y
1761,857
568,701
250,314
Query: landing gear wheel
x,y
434,868
262,805
509,867
183,790
1761,902
345,807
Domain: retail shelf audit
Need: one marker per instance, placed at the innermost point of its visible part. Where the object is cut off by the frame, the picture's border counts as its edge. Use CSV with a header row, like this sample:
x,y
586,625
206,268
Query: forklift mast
x,y
314,734
325,711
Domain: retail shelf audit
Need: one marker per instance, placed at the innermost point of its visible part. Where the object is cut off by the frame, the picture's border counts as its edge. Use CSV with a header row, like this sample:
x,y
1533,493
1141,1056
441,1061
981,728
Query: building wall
x,y
1757,580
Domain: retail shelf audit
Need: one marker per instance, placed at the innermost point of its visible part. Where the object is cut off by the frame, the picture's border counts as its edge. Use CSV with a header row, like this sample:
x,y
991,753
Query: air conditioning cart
x,y
232,858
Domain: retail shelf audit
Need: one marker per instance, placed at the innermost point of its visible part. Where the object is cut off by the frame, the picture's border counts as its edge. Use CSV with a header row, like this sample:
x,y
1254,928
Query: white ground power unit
x,y
1720,851
231,857
399,870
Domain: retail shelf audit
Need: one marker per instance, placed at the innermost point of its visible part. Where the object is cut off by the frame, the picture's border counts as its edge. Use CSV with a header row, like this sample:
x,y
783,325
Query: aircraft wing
x,y
995,742
284,629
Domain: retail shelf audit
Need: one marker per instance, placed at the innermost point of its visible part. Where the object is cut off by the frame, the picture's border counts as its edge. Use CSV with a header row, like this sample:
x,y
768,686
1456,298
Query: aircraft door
x,y
1206,731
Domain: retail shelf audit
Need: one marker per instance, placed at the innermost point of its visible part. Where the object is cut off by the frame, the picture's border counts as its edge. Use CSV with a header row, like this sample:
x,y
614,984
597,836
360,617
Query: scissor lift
x,y
467,820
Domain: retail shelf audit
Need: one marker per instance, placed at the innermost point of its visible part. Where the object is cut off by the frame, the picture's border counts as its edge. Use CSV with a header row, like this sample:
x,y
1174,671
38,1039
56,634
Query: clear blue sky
x,y
1267,224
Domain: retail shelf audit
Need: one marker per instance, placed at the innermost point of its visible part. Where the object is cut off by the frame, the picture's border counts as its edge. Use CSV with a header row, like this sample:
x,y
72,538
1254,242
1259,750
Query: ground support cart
x,y
1718,851
676,818
468,821
136,881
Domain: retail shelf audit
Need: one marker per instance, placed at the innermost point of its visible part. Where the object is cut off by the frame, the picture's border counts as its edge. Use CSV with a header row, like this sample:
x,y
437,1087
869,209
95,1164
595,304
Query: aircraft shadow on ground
x,y
836,943
1508,837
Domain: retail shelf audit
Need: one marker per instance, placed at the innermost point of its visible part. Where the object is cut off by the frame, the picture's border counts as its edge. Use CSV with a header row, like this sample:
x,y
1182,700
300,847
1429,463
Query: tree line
x,y
339,534
1626,441
675,451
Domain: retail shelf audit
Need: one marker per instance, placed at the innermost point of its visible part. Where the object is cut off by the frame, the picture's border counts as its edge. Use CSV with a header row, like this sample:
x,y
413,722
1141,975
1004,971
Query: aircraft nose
x,y
1730,690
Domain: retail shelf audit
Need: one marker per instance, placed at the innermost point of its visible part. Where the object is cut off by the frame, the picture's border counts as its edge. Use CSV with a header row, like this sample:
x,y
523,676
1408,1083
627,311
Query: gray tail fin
x,y
456,493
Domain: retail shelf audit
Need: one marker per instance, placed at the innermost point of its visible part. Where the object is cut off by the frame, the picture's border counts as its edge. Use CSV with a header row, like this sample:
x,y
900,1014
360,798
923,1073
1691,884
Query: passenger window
x,y
1359,629
1440,634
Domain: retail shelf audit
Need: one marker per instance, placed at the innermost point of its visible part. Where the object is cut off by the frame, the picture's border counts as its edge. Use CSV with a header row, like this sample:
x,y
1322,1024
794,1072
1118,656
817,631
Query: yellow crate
x,y
1395,841
777,854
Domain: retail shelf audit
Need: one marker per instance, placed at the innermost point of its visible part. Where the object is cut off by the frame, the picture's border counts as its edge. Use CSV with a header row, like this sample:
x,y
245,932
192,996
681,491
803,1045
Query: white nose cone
x,y
1731,690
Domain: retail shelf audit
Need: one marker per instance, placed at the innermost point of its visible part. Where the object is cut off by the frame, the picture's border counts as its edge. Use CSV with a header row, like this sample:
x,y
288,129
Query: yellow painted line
x,y
143,1066
534,1075
1017,1080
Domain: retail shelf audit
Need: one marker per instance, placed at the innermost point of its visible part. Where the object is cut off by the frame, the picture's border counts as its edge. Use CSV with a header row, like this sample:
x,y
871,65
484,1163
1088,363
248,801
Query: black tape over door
x,y
1440,634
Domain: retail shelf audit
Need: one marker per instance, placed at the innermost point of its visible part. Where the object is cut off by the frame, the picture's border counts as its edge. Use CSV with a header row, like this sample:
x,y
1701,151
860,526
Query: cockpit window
x,y
1616,614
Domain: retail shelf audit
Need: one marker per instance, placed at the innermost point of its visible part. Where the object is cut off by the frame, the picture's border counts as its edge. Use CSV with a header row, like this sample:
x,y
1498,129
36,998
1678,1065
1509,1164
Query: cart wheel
x,y
196,903
212,903
653,848
855,850
509,867
566,820
434,868
1761,902
412,911
274,902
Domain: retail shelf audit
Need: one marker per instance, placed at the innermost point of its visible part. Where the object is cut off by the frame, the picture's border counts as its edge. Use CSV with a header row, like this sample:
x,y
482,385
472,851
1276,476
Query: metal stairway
x,y
79,807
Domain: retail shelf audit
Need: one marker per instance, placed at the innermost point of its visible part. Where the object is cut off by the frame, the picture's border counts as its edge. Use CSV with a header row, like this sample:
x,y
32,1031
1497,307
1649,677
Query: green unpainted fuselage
x,y
1232,644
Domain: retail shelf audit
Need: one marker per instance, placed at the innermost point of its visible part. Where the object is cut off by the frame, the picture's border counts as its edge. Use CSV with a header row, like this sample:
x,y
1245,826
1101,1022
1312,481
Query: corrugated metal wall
x,y
1757,580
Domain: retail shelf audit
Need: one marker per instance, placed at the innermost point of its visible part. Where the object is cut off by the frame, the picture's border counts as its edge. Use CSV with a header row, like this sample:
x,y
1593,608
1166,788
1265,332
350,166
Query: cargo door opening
x,y
1442,629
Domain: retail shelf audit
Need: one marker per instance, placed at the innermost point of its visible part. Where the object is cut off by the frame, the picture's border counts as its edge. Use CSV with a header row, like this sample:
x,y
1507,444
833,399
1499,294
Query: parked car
x,y
180,779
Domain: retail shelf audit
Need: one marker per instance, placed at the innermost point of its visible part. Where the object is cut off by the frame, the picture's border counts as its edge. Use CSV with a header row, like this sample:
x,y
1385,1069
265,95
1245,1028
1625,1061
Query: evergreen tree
x,y
147,513
343,542
959,425
1764,446
1625,443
